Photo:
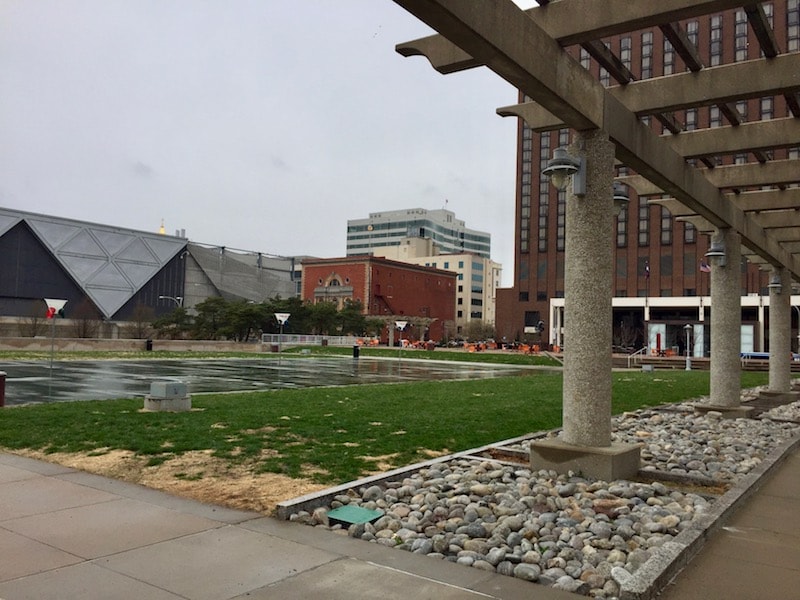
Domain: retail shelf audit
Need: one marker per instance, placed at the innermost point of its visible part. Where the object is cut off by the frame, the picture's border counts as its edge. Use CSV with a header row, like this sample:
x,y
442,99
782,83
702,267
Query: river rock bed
x,y
563,530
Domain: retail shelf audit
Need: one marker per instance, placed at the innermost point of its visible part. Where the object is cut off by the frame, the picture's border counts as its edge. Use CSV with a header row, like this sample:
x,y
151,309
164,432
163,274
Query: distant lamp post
x,y
688,329
178,300
282,318
55,307
401,325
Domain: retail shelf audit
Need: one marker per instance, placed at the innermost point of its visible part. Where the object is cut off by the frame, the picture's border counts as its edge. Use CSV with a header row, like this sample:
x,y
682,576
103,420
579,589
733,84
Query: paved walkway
x,y
65,534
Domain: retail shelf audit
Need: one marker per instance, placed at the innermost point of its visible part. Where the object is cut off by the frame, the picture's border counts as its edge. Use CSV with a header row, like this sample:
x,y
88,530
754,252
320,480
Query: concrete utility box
x,y
168,397
164,389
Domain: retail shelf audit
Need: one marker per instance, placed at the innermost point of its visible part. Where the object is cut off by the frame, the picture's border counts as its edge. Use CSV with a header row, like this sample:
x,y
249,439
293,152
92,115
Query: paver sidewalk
x,y
756,555
65,534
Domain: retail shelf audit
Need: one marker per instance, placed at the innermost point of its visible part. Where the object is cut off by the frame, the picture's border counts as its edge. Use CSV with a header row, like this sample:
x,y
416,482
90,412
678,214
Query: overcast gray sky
x,y
262,125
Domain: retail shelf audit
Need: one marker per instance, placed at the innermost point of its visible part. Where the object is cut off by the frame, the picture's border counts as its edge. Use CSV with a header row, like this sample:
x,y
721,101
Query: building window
x,y
669,57
767,107
544,192
644,223
692,29
689,233
714,117
647,54
666,226
740,36
715,44
523,296
585,59
741,107
625,52
793,26
622,228
691,119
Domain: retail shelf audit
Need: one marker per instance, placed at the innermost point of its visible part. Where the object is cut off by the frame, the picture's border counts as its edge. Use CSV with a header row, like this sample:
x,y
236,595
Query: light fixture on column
x,y
621,197
716,254
775,284
563,166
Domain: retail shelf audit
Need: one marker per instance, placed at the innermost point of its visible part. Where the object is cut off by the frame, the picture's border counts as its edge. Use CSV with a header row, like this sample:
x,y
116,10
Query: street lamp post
x,y
178,300
688,329
55,307
282,318
798,327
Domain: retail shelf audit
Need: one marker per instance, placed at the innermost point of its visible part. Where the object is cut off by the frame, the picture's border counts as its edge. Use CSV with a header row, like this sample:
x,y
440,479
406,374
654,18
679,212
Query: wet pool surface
x,y
33,381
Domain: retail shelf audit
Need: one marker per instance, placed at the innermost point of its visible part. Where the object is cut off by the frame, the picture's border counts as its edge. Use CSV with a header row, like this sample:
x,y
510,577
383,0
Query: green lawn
x,y
333,434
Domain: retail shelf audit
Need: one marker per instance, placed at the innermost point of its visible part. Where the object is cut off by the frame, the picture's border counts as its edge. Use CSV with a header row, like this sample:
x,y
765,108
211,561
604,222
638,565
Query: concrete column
x,y
585,441
587,298
726,324
780,330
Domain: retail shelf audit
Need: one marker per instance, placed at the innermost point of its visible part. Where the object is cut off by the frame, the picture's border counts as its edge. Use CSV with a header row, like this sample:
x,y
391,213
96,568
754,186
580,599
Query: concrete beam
x,y
713,85
779,219
766,199
511,44
747,137
774,172
572,22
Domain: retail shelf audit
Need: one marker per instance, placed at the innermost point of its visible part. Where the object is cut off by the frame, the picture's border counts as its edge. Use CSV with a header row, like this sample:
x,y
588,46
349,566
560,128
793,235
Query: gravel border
x,y
665,525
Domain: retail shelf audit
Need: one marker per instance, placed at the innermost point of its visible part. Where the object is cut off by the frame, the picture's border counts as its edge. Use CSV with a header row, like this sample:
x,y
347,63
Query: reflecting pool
x,y
34,381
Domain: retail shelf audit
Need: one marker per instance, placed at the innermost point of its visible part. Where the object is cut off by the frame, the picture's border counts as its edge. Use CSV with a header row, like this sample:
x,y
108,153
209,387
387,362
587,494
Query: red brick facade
x,y
385,288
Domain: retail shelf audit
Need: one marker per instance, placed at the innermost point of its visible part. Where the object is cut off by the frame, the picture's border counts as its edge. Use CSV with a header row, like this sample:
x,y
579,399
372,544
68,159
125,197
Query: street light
x,y
282,318
562,167
798,327
716,253
178,300
775,284
688,329
401,325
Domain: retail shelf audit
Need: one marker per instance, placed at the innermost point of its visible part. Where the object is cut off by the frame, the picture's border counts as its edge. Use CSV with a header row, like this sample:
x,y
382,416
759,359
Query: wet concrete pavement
x,y
33,381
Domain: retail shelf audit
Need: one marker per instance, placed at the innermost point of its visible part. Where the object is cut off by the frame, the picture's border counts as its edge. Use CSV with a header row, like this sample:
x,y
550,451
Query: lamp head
x,y
560,168
716,254
775,284
621,197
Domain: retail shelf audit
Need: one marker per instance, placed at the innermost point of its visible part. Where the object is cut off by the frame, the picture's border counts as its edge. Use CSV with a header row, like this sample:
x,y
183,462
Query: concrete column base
x,y
728,412
780,396
618,461
167,404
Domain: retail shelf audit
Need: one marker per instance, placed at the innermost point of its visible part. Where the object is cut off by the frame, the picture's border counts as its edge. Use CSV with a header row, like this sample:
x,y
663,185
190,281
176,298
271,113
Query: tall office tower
x,y
660,276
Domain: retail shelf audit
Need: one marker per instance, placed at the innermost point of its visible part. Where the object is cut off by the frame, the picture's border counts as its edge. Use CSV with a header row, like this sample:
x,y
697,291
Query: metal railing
x,y
632,358
309,340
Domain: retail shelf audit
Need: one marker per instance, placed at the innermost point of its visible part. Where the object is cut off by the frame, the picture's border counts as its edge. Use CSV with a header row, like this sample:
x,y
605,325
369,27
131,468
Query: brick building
x,y
660,279
424,296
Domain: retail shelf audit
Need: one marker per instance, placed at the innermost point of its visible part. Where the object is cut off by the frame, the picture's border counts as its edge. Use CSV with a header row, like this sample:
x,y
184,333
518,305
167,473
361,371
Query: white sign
x,y
282,317
401,324
55,304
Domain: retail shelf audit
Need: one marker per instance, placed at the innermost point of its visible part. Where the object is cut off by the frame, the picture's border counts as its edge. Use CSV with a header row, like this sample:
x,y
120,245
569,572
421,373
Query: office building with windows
x,y
661,281
389,227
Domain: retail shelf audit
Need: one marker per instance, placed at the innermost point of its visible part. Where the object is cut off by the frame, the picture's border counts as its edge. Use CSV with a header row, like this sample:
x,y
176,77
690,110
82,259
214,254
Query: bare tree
x,y
34,324
140,325
85,320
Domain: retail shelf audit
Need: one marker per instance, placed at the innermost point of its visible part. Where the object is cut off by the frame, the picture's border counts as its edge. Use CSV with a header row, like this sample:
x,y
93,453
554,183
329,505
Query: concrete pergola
x,y
527,49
